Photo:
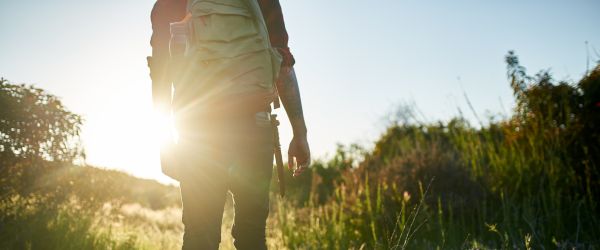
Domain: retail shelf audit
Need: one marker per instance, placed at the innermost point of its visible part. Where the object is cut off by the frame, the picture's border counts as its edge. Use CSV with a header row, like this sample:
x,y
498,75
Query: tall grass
x,y
496,197
90,208
30,224
528,182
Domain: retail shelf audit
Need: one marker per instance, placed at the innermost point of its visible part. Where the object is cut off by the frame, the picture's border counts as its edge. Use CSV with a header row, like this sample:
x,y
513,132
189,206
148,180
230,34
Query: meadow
x,y
526,181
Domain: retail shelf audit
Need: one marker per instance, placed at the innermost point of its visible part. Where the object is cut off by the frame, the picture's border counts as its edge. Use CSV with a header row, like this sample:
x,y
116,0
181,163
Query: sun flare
x,y
163,130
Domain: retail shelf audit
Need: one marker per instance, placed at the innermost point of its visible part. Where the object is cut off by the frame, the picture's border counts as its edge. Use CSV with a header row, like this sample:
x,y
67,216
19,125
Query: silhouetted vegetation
x,y
45,201
530,181
35,129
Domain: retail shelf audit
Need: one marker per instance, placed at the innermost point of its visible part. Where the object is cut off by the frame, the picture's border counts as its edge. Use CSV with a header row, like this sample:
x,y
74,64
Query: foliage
x,y
91,208
557,119
31,224
37,133
35,124
527,182
48,203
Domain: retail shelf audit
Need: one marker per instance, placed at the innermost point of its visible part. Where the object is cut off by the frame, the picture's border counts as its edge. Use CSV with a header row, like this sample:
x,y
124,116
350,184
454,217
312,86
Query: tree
x,y
35,131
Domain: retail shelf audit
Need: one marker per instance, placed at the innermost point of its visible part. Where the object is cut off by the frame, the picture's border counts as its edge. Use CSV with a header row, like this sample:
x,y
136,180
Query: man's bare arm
x,y
163,13
289,92
288,86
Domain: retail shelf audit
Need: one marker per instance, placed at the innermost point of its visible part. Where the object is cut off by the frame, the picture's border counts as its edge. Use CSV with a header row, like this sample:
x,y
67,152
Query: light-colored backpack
x,y
230,47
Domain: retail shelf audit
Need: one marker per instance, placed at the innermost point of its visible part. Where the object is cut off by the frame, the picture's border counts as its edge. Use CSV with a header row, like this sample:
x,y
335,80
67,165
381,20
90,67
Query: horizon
x,y
355,67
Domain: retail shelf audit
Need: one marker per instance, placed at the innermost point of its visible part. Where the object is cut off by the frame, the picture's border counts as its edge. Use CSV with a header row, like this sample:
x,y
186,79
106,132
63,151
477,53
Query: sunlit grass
x,y
511,184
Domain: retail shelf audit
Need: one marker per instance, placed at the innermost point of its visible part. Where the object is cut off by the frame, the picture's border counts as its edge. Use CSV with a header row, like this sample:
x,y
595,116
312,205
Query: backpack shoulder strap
x,y
276,58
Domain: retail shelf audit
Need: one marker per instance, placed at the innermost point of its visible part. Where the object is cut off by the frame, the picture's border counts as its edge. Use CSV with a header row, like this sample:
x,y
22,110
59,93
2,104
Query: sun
x,y
163,130
130,138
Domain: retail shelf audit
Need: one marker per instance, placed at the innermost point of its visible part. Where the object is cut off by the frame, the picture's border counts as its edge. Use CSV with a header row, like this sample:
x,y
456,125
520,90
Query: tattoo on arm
x,y
290,96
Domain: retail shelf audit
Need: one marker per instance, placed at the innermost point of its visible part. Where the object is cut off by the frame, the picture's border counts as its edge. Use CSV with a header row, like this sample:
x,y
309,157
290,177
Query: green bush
x,y
530,181
46,202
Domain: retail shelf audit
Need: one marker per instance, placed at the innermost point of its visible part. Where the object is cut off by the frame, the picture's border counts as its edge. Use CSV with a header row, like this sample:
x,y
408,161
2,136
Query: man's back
x,y
227,141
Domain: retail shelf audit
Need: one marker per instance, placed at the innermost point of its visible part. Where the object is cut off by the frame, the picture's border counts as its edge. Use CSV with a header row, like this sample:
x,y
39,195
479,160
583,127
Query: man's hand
x,y
298,155
299,152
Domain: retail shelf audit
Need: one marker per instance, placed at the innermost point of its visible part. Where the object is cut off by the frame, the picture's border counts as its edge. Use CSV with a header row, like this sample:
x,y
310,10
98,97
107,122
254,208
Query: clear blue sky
x,y
356,60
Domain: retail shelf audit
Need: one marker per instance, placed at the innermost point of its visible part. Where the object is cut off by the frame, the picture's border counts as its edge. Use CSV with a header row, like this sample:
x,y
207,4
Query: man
x,y
222,102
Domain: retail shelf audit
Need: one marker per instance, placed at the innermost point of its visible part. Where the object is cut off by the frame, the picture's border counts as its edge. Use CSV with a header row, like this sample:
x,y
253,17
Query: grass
x,y
422,187
530,181
29,224
507,205
368,208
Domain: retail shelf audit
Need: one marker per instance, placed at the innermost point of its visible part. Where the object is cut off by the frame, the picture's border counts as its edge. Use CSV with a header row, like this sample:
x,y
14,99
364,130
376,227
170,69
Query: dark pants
x,y
234,155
